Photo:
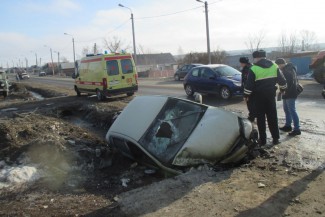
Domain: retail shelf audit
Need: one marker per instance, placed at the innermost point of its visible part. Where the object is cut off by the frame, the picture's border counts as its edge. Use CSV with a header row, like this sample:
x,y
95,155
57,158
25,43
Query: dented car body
x,y
174,134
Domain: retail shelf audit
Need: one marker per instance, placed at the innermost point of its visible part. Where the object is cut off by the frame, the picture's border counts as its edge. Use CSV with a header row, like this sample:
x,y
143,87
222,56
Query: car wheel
x,y
100,96
189,90
130,94
5,94
177,78
225,92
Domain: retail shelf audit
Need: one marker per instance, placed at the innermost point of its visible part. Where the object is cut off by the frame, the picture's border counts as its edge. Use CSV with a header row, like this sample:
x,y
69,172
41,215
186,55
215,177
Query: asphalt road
x,y
310,103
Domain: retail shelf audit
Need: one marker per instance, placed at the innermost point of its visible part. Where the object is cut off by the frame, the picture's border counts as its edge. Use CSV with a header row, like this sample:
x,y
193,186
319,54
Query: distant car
x,y
42,74
24,75
174,134
182,72
214,79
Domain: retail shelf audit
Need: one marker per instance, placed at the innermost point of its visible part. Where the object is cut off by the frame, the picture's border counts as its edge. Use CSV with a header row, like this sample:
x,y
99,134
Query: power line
x,y
164,15
116,28
177,12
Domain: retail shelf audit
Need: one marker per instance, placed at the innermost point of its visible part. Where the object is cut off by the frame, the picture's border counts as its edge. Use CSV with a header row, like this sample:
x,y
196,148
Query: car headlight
x,y
2,85
238,84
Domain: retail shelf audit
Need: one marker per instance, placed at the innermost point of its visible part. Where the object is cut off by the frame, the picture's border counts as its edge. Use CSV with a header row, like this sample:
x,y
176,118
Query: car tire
x,y
5,94
99,95
177,78
225,92
77,91
130,94
189,90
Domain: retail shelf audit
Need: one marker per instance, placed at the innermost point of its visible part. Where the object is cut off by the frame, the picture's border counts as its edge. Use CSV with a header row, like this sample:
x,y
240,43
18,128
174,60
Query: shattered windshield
x,y
171,128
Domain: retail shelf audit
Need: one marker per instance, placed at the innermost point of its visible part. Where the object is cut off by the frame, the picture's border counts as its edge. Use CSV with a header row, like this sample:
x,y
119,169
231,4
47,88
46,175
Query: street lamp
x,y
134,48
51,59
207,27
74,53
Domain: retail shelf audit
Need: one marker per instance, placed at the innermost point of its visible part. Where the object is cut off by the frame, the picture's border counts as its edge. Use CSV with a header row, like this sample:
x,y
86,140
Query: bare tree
x,y
217,56
283,44
115,44
180,50
85,51
255,41
293,45
142,50
308,40
64,60
288,44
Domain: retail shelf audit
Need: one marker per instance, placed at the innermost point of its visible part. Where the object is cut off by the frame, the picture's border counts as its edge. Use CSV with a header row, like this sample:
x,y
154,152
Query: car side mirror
x,y
212,77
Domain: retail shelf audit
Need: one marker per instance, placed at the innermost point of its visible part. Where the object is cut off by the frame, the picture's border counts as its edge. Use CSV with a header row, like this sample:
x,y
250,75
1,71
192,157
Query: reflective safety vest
x,y
264,73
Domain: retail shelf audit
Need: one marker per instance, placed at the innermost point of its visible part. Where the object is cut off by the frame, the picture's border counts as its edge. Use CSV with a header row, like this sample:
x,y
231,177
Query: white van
x,y
106,75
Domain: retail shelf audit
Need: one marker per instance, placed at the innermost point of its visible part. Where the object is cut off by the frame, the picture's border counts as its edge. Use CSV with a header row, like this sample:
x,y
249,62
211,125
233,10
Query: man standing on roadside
x,y
246,65
261,82
289,97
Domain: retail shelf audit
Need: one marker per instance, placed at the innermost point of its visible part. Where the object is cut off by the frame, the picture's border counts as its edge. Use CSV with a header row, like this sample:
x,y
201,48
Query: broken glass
x,y
171,128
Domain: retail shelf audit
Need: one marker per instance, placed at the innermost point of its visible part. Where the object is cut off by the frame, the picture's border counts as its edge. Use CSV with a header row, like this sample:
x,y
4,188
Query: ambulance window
x,y
127,66
112,67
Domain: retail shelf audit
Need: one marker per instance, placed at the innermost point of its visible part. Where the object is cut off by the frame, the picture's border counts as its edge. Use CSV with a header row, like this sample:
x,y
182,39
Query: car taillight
x,y
104,83
136,78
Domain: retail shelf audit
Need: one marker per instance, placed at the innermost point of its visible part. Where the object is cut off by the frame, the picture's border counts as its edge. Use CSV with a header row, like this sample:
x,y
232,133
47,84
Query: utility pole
x,y
74,54
52,61
59,71
133,34
207,28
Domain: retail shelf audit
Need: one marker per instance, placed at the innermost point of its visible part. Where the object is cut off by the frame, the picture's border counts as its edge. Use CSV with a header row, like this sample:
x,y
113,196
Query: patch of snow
x,y
10,176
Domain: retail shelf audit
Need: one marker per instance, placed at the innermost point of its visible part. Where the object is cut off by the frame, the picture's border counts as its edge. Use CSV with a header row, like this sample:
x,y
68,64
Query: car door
x,y
183,71
207,81
114,76
128,71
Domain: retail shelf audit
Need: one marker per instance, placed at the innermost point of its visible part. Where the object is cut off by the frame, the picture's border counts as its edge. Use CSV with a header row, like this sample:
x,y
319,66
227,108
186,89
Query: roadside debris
x,y
125,181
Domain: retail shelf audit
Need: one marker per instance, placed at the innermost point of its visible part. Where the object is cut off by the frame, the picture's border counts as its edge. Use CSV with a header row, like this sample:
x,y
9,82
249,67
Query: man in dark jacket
x,y
261,81
246,65
289,97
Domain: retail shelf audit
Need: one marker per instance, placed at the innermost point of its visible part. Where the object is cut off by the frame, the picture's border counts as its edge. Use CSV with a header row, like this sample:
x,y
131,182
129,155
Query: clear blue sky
x,y
35,26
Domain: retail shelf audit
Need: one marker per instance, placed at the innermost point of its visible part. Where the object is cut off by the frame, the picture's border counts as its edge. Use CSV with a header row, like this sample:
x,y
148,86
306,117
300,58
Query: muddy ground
x,y
61,137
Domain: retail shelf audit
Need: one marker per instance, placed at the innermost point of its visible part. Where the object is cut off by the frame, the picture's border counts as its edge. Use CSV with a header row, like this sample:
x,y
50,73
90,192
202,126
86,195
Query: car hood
x,y
234,78
176,133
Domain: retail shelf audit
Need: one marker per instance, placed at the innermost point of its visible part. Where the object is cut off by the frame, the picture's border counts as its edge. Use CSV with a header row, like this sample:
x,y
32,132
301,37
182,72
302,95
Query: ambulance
x,y
106,75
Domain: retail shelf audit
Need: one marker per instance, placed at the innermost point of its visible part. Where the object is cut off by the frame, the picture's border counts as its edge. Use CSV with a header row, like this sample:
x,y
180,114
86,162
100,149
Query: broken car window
x,y
171,128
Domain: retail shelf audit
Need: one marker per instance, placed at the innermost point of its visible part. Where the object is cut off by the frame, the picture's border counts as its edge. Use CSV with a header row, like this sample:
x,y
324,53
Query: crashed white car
x,y
175,134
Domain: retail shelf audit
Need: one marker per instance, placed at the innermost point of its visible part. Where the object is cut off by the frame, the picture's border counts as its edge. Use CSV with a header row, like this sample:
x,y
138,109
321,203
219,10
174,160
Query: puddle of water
x,y
37,96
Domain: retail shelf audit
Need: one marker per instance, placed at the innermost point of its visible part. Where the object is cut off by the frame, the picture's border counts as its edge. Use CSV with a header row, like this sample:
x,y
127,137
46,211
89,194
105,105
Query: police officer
x,y
261,82
245,65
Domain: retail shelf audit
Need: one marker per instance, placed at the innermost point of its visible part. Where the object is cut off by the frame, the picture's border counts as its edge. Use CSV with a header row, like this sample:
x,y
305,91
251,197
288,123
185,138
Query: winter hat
x,y
244,60
280,61
259,54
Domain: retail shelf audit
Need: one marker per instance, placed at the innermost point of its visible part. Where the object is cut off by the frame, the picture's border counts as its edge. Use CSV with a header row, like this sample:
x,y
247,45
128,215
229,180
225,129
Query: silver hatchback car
x,y
174,134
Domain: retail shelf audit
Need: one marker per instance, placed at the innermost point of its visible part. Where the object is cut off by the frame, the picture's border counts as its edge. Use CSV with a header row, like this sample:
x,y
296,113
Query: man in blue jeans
x,y
289,98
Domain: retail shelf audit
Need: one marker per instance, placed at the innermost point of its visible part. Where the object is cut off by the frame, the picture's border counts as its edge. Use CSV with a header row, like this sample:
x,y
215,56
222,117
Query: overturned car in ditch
x,y
174,134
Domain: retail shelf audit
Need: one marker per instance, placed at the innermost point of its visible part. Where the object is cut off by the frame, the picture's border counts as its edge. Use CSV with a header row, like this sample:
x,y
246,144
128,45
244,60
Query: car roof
x,y
213,65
